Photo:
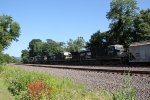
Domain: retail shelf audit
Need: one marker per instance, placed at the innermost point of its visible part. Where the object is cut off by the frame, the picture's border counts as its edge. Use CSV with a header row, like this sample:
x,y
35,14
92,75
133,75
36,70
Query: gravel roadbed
x,y
99,80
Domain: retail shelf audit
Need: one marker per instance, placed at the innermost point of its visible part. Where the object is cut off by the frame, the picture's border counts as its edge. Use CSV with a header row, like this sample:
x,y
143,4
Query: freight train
x,y
138,52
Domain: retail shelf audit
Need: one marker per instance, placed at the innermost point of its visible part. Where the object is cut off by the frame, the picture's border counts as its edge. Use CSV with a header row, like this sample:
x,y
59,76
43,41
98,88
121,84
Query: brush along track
x,y
127,70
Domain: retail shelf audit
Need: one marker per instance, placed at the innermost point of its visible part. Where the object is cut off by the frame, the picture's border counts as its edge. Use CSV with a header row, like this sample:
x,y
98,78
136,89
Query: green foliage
x,y
9,31
127,92
5,58
142,26
122,10
39,48
35,47
24,55
15,60
75,45
98,41
51,47
122,14
4,93
126,26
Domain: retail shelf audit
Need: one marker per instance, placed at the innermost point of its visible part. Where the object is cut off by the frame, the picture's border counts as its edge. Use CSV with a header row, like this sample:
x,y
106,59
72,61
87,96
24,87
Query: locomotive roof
x,y
140,43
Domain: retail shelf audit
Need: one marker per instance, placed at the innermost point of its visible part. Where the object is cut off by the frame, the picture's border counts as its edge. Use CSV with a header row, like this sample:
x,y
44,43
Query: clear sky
x,y
59,20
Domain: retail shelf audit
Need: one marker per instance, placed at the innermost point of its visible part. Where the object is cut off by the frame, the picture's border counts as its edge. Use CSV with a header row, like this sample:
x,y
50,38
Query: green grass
x,y
18,81
4,93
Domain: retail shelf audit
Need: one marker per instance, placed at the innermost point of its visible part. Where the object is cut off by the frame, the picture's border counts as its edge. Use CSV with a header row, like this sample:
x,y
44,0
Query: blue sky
x,y
59,20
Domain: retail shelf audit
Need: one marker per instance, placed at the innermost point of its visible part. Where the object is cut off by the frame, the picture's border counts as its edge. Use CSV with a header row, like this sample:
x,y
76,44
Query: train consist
x,y
138,52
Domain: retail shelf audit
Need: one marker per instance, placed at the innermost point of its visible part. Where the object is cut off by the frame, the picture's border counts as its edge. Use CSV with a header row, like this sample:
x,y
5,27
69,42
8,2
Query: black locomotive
x,y
111,54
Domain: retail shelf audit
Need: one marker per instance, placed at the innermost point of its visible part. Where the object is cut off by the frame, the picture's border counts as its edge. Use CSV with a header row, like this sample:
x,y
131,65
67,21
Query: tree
x,y
97,42
122,14
35,47
142,26
9,31
75,45
25,55
51,47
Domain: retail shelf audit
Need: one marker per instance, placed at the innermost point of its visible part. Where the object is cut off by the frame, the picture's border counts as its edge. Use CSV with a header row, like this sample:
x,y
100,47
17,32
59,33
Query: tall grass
x,y
29,85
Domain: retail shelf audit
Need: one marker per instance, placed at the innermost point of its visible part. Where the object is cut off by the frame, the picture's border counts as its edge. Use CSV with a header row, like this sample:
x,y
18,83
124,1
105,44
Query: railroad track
x,y
121,70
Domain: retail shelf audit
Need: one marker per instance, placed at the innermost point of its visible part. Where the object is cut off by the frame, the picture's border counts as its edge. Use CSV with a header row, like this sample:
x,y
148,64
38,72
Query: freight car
x,y
139,53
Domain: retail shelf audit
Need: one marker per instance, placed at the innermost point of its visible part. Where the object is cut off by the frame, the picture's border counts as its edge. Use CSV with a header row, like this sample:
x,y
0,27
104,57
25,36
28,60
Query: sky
x,y
58,20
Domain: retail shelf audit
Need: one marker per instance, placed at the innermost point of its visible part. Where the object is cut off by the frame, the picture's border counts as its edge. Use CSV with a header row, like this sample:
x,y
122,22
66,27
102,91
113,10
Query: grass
x,y
29,85
4,93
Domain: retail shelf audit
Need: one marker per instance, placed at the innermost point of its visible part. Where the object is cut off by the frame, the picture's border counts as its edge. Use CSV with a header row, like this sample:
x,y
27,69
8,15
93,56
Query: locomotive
x,y
113,53
137,52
